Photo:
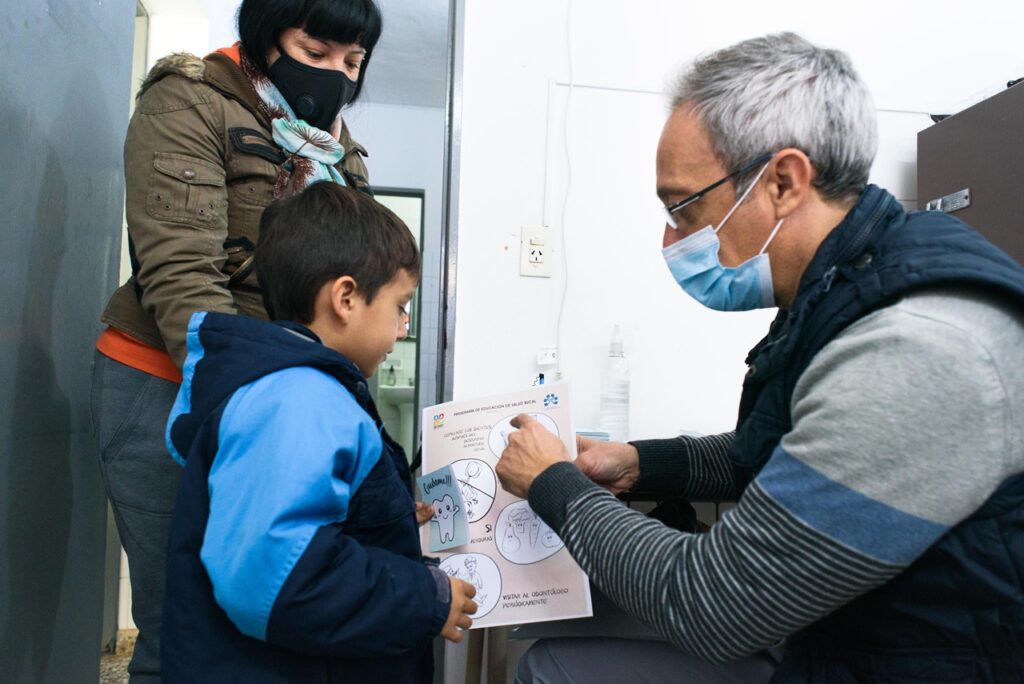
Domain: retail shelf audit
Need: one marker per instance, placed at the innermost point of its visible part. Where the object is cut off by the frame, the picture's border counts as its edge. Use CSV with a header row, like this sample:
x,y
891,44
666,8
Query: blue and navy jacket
x,y
956,613
294,554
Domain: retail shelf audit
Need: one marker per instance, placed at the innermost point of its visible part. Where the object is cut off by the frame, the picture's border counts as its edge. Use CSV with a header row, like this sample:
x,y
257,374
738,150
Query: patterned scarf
x,y
313,153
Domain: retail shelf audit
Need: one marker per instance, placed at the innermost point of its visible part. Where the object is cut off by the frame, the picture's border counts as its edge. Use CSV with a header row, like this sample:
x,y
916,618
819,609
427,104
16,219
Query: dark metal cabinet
x,y
980,150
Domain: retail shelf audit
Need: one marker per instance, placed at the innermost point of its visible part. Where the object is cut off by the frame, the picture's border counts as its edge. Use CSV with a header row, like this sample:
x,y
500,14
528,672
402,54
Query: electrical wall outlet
x,y
547,356
536,253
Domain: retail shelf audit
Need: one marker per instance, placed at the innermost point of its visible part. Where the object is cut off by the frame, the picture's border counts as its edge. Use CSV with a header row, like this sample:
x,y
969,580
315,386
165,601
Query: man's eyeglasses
x,y
670,210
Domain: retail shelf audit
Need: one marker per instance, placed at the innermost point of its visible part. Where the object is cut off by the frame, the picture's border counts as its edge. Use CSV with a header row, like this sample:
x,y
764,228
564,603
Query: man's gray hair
x,y
777,91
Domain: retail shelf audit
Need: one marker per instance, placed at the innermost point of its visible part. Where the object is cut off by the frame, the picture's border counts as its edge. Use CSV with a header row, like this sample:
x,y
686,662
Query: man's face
x,y
686,164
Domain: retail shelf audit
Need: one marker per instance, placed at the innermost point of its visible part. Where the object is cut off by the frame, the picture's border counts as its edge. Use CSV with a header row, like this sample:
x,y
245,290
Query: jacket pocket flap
x,y
188,169
252,141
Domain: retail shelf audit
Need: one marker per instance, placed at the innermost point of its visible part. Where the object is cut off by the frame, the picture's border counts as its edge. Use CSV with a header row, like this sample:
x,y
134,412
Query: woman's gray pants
x,y
129,413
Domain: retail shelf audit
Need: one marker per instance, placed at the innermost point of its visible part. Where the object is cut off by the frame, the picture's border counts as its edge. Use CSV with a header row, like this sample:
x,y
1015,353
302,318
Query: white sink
x,y
396,395
402,398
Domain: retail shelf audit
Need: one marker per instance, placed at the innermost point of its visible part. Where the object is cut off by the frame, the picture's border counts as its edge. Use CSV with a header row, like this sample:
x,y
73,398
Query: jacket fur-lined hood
x,y
175,64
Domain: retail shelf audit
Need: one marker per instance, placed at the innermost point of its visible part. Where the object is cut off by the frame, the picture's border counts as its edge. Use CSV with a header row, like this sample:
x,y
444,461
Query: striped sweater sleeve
x,y
692,467
757,577
864,483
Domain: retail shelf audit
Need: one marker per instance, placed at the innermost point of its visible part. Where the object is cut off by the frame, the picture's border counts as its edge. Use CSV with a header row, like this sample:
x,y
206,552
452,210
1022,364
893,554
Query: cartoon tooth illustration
x,y
444,515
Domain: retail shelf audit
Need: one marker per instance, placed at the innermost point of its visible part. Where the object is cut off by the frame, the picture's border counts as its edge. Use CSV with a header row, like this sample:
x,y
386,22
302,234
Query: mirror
x,y
408,206
401,119
394,385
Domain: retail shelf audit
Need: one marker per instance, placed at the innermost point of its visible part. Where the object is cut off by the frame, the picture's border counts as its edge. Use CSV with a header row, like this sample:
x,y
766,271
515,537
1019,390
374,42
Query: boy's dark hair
x,y
261,22
325,232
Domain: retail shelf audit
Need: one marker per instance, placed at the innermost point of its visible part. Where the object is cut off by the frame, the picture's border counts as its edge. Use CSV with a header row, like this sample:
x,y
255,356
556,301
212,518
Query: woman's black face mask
x,y
315,95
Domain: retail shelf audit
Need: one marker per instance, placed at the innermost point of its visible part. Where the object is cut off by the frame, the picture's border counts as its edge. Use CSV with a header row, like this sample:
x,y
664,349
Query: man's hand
x,y
531,450
462,607
613,465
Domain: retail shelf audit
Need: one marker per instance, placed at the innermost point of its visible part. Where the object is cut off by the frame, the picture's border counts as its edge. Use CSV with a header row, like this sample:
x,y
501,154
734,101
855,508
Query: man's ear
x,y
344,297
790,179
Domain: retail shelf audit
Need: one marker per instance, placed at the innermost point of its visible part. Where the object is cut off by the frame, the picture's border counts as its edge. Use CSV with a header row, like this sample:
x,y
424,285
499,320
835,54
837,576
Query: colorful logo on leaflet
x,y
438,421
551,400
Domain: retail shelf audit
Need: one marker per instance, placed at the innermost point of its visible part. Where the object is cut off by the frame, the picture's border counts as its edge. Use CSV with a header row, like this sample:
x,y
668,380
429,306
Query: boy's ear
x,y
344,297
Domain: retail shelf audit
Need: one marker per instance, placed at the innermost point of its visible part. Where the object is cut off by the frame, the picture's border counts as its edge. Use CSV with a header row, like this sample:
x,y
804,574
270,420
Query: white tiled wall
x,y
403,359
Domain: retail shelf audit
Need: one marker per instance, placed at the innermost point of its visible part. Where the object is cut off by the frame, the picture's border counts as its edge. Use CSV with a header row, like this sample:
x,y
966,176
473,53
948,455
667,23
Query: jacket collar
x,y
225,76
848,239
222,73
845,242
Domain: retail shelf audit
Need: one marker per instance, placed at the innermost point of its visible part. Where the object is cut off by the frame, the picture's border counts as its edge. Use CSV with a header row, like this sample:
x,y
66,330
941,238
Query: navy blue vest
x,y
957,613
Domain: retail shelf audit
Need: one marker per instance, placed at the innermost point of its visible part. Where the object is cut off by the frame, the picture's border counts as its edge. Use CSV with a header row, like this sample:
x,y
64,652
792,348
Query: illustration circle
x,y
522,537
497,439
478,486
480,571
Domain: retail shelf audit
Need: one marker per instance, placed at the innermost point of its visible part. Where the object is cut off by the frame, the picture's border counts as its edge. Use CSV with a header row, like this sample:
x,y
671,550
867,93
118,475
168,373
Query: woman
x,y
212,142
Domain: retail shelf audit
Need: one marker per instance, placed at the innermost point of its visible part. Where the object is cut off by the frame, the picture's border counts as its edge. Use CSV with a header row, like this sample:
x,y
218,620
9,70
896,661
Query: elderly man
x,y
879,454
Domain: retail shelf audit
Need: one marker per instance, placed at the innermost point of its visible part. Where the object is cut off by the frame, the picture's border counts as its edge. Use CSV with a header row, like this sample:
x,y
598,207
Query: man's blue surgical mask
x,y
695,265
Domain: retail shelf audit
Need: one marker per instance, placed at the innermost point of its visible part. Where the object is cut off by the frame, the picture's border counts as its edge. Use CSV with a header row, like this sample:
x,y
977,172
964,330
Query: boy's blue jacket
x,y
294,554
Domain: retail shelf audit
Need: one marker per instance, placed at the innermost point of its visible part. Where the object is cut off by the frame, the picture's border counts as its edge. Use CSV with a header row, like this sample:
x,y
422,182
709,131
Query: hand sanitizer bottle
x,y
615,391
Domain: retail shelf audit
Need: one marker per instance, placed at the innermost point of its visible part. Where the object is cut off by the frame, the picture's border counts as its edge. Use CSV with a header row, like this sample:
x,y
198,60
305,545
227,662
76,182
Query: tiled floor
x,y
114,668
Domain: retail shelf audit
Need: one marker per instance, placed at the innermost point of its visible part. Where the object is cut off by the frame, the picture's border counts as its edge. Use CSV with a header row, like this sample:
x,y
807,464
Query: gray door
x,y
64,91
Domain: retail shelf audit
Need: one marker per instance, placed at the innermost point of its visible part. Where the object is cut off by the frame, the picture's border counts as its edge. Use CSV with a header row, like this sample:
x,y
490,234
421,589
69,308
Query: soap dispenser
x,y
615,391
390,379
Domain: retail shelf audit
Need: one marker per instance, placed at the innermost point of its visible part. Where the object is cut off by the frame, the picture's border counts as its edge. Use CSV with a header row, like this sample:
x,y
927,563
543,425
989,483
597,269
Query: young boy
x,y
294,554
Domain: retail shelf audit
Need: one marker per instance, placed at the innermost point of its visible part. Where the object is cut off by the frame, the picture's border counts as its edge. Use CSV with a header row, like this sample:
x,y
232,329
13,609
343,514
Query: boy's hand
x,y
462,607
424,512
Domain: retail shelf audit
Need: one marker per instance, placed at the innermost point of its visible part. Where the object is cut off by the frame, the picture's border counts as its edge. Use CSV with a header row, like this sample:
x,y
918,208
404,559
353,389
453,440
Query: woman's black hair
x,y
261,22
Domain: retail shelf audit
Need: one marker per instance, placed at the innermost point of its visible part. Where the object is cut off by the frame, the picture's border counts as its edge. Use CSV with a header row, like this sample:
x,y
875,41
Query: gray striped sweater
x,y
903,425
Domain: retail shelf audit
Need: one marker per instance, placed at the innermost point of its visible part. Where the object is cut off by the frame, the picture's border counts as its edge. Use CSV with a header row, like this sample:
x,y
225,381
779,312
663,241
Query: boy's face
x,y
375,327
